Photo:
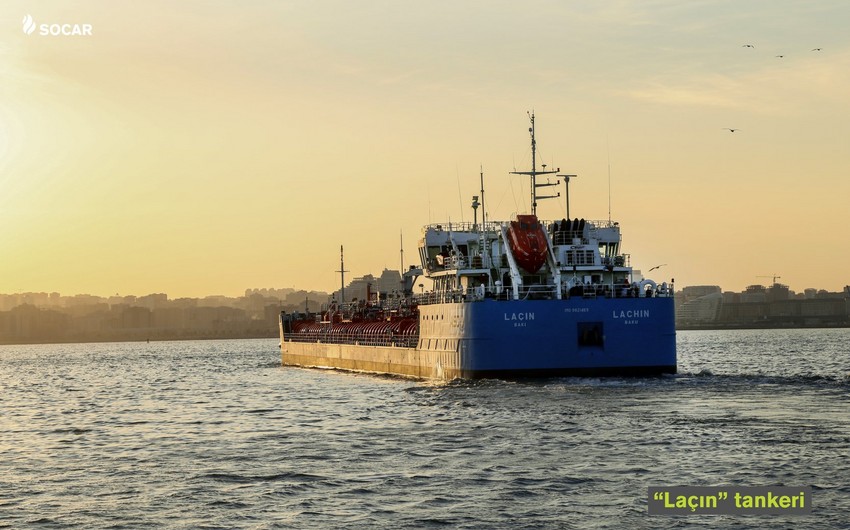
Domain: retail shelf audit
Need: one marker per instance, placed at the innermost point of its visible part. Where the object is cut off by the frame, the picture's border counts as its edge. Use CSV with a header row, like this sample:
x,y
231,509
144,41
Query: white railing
x,y
494,225
545,292
464,227
353,338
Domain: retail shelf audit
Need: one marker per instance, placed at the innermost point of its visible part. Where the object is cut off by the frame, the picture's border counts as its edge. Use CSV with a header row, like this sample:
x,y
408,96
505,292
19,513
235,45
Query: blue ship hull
x,y
511,339
604,336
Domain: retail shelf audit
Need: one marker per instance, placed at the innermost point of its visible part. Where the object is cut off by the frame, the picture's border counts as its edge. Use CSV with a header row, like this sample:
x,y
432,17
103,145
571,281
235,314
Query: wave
x,y
762,378
702,377
71,430
234,478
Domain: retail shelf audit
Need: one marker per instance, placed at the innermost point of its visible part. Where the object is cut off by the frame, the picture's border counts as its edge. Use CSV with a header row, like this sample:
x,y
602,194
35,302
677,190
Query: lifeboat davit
x,y
528,242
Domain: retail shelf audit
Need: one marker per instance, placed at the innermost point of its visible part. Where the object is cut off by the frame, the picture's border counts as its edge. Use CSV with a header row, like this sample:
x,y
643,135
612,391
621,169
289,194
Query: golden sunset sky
x,y
198,148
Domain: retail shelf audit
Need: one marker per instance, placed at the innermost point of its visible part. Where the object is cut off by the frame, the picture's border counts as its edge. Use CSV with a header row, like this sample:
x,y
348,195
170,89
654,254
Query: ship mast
x,y
483,216
401,260
483,211
342,272
533,173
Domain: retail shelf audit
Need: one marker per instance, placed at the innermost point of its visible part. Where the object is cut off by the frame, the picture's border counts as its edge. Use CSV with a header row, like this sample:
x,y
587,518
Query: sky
x,y
198,148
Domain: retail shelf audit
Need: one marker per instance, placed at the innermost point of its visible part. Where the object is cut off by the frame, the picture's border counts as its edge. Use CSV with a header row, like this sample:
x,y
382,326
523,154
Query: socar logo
x,y
29,25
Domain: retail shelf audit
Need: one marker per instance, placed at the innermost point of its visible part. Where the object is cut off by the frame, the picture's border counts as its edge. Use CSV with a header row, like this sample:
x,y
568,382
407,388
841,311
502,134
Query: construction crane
x,y
775,277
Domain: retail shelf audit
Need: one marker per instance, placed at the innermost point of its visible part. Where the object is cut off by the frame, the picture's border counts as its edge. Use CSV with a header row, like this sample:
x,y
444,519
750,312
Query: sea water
x,y
216,434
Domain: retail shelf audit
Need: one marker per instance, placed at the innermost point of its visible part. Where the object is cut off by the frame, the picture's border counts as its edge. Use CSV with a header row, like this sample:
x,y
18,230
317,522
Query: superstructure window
x,y
591,334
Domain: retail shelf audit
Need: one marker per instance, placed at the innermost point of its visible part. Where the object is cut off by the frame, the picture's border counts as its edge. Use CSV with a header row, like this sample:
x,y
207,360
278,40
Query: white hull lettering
x,y
519,316
637,313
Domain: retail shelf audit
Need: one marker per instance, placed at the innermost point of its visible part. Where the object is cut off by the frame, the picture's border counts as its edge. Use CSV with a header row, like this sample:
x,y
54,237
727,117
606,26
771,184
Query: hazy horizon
x,y
195,148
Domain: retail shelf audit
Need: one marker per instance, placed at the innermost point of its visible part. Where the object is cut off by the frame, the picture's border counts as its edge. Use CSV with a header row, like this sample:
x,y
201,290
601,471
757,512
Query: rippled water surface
x,y
213,434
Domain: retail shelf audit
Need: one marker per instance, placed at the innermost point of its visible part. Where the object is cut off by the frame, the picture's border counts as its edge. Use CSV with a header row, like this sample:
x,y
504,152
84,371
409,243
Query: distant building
x,y
153,301
696,291
699,304
389,282
778,292
368,287
776,306
759,306
51,317
754,294
702,310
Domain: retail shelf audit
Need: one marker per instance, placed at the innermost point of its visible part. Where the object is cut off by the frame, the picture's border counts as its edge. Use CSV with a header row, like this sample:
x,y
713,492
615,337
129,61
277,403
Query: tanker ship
x,y
520,298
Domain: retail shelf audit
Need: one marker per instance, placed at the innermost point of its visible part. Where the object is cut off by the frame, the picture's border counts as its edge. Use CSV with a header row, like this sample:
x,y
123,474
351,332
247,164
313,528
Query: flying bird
x,y
748,46
816,49
730,130
780,56
656,267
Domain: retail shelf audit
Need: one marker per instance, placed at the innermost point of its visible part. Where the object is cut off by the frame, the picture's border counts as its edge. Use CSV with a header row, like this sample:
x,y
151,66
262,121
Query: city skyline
x,y
355,285
196,148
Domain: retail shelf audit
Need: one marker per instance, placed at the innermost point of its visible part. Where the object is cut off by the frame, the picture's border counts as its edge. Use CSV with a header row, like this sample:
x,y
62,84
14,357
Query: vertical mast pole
x,y
483,211
341,272
533,167
483,221
608,148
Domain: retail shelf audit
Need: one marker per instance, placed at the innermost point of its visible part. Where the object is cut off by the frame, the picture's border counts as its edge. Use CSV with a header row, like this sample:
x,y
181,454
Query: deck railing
x,y
545,292
354,338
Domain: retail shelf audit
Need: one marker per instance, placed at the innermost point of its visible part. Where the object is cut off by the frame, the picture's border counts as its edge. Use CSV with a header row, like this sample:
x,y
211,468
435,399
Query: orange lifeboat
x,y
527,239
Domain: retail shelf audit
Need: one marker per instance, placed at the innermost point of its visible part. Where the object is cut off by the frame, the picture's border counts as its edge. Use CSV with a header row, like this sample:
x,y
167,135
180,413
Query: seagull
x,y
730,130
748,46
656,267
816,49
780,56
